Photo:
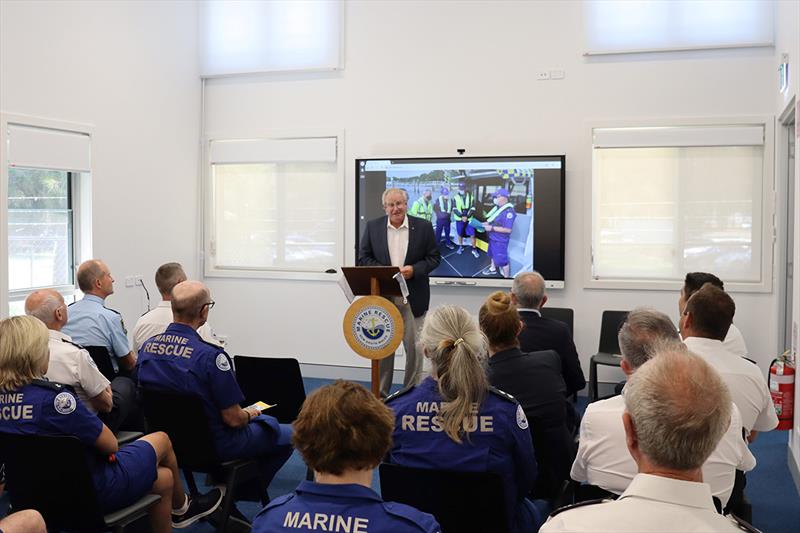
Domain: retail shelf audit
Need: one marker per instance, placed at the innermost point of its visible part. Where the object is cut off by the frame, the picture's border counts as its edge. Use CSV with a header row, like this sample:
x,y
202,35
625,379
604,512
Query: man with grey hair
x,y
406,242
114,403
602,458
539,333
676,411
156,320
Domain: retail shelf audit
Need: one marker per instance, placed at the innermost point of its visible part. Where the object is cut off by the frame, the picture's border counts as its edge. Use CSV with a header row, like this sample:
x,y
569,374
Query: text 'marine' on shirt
x,y
326,522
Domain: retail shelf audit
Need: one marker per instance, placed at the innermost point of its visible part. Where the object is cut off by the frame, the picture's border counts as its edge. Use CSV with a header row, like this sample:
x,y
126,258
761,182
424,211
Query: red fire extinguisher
x,y
781,388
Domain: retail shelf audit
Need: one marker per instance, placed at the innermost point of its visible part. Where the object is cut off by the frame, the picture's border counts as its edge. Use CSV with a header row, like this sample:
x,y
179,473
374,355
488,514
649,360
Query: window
x,y
239,37
45,188
276,207
626,26
671,200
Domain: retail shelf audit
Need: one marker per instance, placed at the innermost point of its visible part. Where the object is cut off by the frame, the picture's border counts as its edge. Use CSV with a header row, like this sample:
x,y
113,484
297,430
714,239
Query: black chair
x,y
183,418
573,492
607,353
462,502
102,359
274,381
36,467
564,314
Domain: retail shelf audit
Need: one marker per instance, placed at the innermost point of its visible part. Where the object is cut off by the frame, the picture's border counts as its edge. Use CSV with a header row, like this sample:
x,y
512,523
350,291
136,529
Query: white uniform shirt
x,y
156,321
745,382
603,459
397,239
73,366
734,342
650,504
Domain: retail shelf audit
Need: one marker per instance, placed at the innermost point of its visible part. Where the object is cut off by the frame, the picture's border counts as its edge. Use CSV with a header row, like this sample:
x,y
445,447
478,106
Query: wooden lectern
x,y
376,281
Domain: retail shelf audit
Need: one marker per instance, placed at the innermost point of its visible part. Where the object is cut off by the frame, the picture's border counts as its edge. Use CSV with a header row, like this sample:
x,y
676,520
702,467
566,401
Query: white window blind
x,y
691,204
623,26
276,205
239,37
44,148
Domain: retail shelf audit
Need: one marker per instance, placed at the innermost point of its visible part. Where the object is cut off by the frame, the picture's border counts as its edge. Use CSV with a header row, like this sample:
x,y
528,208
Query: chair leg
x,y
191,484
592,381
228,501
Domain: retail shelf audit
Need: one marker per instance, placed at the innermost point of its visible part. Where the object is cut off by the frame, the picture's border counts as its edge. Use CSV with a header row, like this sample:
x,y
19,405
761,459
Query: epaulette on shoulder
x,y
75,344
146,312
280,500
502,394
217,346
743,525
112,310
398,394
576,505
422,520
45,384
73,303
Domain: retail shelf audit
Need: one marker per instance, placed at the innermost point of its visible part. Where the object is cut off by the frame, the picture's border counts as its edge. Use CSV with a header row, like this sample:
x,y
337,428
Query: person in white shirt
x,y
114,403
734,341
704,323
676,411
156,320
604,461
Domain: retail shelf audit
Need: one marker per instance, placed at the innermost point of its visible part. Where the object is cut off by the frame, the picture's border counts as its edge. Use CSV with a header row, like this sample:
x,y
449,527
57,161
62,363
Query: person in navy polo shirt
x,y
454,420
31,405
499,224
342,432
179,360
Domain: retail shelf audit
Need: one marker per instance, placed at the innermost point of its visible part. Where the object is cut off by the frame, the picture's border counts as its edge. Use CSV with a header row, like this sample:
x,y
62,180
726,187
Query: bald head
x,y
189,299
48,306
528,290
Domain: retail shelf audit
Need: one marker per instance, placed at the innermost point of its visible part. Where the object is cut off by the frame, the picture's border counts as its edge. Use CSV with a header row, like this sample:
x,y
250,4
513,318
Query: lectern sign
x,y
373,327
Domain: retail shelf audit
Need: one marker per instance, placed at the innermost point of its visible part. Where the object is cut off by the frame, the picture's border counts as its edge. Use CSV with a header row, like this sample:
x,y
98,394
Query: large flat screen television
x,y
513,207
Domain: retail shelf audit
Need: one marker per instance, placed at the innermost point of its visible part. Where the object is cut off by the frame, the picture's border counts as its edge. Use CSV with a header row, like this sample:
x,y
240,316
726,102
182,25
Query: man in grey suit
x,y
406,242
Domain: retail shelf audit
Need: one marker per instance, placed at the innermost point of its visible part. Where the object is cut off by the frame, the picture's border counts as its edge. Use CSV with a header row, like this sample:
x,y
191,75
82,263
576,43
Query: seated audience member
x,y
156,320
704,323
454,420
604,461
734,341
179,361
539,333
26,521
70,364
534,379
46,408
91,323
676,410
343,432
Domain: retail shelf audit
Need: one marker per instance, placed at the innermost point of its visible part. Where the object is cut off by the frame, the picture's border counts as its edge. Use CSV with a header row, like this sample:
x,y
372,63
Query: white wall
x,y
425,78
129,69
788,41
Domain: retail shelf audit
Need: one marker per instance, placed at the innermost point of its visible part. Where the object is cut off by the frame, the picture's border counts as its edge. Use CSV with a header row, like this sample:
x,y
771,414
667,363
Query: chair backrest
x,y
102,359
274,381
609,329
564,314
183,418
462,502
51,475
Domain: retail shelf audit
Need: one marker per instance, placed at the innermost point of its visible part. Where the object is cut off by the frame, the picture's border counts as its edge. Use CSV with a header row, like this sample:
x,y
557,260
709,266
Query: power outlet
x,y
137,278
130,281
543,75
557,74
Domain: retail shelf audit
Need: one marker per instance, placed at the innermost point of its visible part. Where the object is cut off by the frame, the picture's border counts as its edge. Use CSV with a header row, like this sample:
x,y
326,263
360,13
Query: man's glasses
x,y
209,304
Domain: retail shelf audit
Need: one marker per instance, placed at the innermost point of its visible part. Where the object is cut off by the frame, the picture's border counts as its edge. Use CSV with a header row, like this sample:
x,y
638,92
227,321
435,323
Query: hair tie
x,y
458,341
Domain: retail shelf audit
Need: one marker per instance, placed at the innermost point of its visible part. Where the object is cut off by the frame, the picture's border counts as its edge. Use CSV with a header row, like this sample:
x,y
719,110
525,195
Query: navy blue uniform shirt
x,y
497,438
46,408
341,508
179,360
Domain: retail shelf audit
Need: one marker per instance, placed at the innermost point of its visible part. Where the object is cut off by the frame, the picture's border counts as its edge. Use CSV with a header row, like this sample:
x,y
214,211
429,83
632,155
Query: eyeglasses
x,y
209,304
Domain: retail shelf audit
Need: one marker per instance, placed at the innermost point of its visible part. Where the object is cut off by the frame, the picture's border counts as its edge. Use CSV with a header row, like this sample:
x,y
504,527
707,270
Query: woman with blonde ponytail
x,y
454,420
536,381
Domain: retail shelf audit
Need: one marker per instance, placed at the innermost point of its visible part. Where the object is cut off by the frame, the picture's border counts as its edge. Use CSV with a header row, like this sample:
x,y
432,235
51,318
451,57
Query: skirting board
x,y
794,468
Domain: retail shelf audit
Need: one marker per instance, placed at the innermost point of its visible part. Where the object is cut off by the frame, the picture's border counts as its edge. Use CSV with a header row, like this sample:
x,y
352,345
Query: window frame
x,y
768,202
80,202
209,269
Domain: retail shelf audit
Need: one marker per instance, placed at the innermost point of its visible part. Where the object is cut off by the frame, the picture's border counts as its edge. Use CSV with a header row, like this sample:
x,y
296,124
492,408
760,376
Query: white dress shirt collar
x,y
525,309
676,491
403,225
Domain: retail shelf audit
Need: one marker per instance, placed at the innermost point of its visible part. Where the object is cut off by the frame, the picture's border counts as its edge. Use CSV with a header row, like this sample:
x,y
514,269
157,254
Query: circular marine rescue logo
x,y
373,327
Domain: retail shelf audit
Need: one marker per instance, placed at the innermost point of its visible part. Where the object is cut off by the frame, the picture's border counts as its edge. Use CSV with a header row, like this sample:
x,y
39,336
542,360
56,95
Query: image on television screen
x,y
492,216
